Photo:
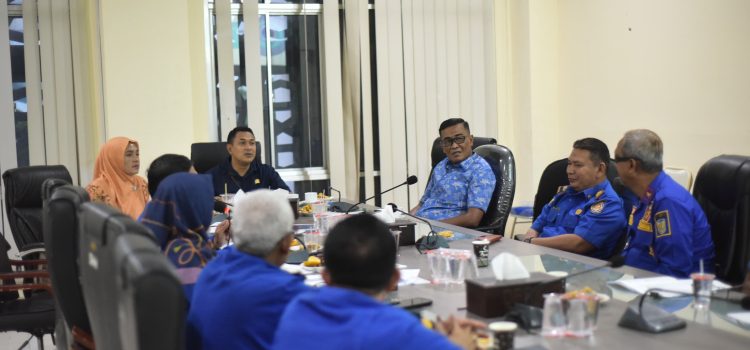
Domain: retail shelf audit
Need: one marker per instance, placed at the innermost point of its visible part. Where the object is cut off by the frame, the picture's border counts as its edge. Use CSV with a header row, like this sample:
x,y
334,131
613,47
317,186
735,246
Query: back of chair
x,y
681,176
23,201
553,176
206,155
60,222
722,188
100,226
437,151
150,297
503,166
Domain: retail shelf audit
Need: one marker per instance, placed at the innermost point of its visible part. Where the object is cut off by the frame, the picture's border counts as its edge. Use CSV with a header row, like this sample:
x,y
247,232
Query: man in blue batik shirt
x,y
240,295
586,217
350,313
667,229
461,185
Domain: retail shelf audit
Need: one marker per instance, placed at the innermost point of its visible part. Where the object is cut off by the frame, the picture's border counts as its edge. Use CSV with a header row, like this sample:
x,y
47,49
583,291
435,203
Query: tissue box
x,y
407,231
488,297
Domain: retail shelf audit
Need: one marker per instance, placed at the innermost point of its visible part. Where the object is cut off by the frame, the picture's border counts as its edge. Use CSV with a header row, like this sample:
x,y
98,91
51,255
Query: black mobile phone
x,y
413,303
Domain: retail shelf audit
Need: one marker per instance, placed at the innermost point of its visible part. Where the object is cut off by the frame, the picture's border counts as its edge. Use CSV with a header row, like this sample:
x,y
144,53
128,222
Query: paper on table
x,y
741,317
683,286
411,277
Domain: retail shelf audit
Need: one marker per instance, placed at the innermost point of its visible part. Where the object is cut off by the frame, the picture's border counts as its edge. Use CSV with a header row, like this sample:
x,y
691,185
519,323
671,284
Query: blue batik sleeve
x,y
480,189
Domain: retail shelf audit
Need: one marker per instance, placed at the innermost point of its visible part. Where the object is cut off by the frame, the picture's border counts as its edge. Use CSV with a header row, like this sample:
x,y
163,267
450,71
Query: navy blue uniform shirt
x,y
594,214
257,177
668,232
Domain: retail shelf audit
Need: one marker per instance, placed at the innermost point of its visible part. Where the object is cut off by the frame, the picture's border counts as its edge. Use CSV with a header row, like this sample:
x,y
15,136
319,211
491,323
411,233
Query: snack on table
x,y
312,261
305,209
579,293
295,243
446,234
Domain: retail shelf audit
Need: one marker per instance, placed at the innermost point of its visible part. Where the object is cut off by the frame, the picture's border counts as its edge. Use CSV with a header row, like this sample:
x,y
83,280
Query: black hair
x,y
597,149
360,253
233,133
163,166
454,121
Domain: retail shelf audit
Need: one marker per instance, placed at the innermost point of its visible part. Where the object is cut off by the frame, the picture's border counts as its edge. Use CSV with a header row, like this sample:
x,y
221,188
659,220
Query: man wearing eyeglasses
x,y
668,232
585,217
461,185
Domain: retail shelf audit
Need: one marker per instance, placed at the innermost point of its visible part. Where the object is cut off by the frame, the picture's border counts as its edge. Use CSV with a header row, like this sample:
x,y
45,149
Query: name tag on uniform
x,y
645,226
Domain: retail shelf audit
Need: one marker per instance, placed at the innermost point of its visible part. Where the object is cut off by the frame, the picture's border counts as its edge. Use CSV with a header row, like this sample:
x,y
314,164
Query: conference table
x,y
450,299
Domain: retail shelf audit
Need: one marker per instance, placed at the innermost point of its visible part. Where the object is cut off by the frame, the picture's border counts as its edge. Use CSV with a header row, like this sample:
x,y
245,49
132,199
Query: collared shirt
x,y
594,214
338,318
668,232
238,301
454,188
258,176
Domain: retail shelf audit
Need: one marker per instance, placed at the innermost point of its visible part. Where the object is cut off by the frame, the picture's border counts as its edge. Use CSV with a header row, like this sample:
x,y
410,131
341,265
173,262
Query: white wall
x,y
678,67
155,90
578,68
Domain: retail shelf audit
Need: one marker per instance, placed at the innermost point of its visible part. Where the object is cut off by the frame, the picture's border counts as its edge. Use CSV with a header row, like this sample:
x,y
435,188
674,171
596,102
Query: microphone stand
x,y
431,241
409,181
650,318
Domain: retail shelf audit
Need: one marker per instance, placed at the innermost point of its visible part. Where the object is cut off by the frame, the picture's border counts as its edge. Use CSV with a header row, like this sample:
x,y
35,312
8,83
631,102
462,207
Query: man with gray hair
x,y
241,294
667,230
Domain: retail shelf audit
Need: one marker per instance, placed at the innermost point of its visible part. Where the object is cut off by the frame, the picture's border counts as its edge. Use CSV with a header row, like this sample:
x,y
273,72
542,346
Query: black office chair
x,y
437,154
206,155
34,314
23,203
503,166
151,300
61,227
722,188
101,226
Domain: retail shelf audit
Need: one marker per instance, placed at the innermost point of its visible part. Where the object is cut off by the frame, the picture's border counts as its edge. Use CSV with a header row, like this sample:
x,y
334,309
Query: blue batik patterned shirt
x,y
454,188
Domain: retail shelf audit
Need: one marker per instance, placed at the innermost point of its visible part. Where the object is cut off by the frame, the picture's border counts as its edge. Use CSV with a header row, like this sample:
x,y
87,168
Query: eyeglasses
x,y
448,141
625,159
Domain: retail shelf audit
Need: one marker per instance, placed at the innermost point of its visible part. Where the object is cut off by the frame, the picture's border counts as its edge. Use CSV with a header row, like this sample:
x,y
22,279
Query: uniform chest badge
x,y
597,207
645,226
257,181
663,226
579,211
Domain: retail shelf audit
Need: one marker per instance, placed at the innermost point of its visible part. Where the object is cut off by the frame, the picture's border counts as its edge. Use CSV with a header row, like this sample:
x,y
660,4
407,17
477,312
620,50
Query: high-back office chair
x,y
681,176
722,188
206,155
34,314
437,150
23,203
503,166
151,301
61,231
100,227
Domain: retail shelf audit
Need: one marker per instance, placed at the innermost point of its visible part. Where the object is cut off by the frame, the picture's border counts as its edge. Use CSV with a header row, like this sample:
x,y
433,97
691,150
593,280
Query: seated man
x,y
349,313
240,170
586,217
461,185
668,232
240,295
165,165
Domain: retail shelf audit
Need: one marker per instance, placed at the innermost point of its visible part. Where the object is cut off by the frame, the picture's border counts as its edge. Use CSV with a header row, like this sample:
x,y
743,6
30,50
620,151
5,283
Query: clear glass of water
x,y
553,317
702,285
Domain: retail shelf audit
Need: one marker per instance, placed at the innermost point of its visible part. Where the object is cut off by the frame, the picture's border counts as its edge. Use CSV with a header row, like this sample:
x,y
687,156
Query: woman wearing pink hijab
x,y
116,181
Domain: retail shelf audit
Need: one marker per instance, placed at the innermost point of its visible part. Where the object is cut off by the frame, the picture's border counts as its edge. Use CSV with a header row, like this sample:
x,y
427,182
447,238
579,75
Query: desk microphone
x,y
651,318
429,242
530,316
409,181
223,207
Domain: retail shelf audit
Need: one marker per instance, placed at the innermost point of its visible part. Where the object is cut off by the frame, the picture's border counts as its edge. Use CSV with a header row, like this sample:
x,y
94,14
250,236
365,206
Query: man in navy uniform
x,y
241,170
586,217
668,232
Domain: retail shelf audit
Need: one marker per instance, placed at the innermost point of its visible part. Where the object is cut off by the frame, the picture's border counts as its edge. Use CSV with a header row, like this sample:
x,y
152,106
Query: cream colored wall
x,y
597,68
154,81
678,67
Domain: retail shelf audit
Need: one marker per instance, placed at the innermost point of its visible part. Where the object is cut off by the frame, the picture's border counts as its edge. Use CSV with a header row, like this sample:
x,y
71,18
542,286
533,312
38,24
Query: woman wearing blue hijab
x,y
179,215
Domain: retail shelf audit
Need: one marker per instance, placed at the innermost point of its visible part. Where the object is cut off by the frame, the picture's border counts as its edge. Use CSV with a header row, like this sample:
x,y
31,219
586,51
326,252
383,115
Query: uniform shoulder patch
x,y
663,226
597,207
599,194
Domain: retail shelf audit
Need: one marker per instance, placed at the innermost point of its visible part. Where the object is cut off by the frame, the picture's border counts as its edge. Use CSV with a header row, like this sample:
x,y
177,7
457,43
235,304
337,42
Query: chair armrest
x,y
489,229
83,338
34,248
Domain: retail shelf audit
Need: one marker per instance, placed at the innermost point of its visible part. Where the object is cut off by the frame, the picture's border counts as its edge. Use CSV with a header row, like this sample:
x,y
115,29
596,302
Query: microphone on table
x,y
431,241
530,315
409,181
223,207
653,319
330,188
